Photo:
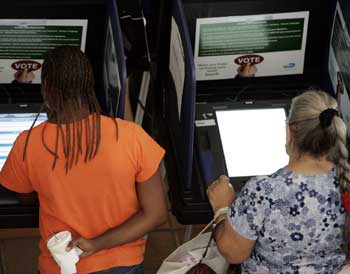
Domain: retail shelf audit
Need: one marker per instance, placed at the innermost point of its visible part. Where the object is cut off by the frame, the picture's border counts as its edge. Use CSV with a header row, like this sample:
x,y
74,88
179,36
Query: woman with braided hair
x,y
297,219
95,176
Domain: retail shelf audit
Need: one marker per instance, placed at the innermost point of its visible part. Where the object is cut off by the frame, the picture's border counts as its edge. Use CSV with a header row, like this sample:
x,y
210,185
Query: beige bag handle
x,y
218,213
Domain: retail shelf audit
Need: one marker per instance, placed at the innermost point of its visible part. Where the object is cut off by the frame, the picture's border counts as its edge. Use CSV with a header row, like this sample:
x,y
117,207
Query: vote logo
x,y
26,64
251,59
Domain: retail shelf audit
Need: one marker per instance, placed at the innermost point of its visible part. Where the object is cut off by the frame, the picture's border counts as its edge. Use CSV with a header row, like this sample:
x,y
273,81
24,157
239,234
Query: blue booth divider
x,y
112,13
185,140
186,195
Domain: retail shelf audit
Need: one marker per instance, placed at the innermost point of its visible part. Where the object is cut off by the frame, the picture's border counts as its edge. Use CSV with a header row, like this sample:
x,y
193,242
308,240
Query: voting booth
x,y
233,68
28,29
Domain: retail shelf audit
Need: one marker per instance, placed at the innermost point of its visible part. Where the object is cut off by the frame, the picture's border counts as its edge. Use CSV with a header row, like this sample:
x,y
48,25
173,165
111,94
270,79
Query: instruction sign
x,y
24,44
247,46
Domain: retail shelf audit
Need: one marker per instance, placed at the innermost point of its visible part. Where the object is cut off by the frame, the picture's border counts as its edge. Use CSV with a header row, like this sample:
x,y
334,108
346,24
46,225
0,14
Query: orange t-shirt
x,y
92,197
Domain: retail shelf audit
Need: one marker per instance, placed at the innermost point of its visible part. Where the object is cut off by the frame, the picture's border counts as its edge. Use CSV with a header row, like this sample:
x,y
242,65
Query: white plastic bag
x,y
190,254
345,270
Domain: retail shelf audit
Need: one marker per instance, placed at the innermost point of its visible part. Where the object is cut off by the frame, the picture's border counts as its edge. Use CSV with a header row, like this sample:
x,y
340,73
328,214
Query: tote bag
x,y
197,256
345,270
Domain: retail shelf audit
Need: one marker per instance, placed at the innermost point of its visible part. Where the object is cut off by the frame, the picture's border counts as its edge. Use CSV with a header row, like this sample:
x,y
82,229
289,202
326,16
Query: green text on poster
x,y
33,42
245,37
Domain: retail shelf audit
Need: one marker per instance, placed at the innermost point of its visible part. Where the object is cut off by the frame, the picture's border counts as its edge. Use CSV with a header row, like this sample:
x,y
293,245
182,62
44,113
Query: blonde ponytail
x,y
313,135
343,174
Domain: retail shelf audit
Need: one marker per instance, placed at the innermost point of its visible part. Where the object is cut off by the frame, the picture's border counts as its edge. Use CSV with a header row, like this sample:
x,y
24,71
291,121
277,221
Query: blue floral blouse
x,y
297,221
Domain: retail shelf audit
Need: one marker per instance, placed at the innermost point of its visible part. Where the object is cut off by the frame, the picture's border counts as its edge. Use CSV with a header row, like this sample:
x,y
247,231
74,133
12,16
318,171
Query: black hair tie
x,y
327,116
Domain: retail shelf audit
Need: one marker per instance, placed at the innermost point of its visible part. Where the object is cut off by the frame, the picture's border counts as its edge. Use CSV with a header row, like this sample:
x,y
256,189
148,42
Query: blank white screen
x,y
253,140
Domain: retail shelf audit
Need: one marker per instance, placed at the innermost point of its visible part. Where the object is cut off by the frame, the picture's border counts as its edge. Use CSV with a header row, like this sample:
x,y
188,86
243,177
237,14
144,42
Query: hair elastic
x,y
219,212
327,116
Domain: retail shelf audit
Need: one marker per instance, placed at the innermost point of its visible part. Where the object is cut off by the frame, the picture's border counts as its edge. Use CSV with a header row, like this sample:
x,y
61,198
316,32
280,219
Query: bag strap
x,y
206,228
218,213
211,237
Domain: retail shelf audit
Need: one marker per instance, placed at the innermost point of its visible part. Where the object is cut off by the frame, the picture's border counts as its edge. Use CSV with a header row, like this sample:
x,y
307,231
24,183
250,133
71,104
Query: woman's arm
x,y
153,212
231,245
235,248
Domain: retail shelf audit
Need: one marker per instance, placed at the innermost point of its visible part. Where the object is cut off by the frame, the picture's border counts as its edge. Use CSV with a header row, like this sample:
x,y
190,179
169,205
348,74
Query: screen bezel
x,y
20,108
239,181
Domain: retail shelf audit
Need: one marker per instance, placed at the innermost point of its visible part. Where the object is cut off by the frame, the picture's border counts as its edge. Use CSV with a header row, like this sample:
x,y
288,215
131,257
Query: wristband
x,y
219,212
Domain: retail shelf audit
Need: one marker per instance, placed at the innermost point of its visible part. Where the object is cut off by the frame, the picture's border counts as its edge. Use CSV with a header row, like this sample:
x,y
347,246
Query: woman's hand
x,y
88,247
24,76
221,193
247,70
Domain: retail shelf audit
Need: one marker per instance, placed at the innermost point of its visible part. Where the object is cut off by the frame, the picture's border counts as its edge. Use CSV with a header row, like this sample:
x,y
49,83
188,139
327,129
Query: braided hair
x,y
71,104
318,130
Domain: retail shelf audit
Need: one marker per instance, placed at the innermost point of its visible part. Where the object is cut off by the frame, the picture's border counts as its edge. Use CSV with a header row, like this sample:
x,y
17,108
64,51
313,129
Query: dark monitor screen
x,y
253,140
14,120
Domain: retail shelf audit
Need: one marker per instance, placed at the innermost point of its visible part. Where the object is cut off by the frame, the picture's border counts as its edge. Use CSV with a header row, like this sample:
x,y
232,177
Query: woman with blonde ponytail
x,y
295,220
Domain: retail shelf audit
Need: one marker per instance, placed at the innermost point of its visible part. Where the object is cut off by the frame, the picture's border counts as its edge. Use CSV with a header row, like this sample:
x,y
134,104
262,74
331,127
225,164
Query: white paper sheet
x,y
177,63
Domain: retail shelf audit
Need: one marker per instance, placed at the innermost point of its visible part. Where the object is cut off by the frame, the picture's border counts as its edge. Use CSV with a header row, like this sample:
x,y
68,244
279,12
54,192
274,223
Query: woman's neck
x,y
307,164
